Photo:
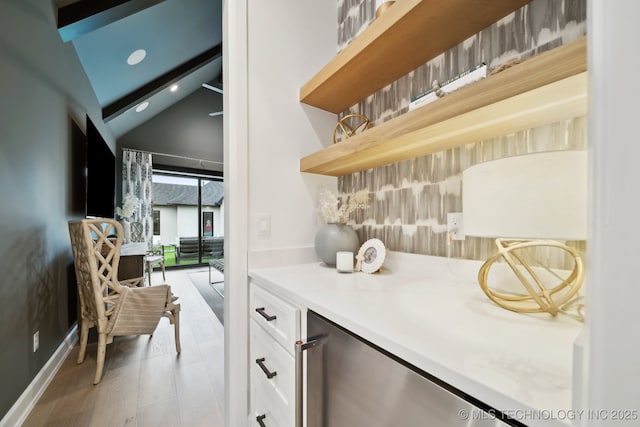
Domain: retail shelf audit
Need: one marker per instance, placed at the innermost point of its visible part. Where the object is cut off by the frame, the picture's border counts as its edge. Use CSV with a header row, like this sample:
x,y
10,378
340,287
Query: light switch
x,y
264,225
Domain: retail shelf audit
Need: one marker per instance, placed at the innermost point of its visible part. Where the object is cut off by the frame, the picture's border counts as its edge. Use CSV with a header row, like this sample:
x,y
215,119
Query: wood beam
x,y
121,105
84,16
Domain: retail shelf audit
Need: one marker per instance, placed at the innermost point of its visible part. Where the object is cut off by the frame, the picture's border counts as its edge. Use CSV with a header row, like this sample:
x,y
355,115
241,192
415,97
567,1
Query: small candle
x,y
344,262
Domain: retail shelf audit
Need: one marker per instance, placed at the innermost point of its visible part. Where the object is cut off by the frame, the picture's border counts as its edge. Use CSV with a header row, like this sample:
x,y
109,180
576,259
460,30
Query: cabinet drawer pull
x,y
259,419
265,315
260,363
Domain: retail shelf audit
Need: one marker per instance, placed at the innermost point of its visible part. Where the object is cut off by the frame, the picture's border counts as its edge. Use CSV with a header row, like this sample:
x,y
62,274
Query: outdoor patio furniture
x,y
218,264
187,248
217,246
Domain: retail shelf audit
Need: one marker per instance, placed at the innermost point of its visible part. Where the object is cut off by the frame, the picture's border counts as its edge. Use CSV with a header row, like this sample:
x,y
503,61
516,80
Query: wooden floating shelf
x,y
544,89
407,35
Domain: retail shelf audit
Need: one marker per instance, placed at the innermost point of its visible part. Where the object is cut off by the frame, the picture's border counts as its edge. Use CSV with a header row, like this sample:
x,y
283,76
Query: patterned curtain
x,y
137,174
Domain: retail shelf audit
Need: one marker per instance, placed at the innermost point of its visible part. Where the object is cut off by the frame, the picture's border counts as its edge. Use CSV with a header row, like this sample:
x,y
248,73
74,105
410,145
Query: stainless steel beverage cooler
x,y
352,383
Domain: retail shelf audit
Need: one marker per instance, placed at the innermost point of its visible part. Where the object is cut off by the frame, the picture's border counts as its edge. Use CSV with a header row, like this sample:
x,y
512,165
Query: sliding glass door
x,y
188,220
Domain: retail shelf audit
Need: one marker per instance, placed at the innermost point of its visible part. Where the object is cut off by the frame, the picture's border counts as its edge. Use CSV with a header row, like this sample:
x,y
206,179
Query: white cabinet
x,y
278,318
274,327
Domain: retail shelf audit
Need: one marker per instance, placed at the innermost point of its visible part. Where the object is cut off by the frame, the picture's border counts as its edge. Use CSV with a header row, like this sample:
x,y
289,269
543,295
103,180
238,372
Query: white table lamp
x,y
523,201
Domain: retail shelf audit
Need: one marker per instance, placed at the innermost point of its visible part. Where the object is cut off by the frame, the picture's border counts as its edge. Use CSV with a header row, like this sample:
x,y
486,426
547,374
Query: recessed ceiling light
x,y
142,106
136,57
173,88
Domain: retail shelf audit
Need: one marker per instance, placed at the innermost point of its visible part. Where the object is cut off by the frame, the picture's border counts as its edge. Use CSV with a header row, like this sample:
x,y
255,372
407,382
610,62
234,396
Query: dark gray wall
x,y
182,132
184,129
42,89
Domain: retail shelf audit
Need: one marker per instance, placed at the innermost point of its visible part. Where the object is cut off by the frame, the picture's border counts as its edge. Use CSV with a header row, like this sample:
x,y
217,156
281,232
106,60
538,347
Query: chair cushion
x,y
139,310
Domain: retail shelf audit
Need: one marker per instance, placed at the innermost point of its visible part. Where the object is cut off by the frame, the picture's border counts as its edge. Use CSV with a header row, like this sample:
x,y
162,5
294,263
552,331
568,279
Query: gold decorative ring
x,y
539,297
349,125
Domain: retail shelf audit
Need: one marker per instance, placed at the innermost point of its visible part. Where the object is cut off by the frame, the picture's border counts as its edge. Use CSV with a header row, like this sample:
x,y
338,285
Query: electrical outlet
x,y
454,225
36,341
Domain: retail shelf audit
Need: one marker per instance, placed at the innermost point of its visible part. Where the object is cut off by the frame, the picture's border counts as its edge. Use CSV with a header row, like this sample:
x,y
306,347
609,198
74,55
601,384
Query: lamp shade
x,y
533,196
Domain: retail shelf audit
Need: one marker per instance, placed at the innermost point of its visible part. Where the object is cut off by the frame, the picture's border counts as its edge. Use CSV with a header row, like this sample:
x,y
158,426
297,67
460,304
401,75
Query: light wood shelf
x,y
544,89
407,35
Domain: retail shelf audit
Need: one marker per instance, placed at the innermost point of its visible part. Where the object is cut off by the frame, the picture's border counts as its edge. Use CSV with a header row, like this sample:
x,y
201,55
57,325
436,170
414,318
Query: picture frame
x,y
371,256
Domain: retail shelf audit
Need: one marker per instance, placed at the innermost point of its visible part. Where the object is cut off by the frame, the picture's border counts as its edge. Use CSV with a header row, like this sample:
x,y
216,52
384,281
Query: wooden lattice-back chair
x,y
114,307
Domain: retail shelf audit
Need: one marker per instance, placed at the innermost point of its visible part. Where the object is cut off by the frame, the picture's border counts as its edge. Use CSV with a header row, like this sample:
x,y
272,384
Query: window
x,y
156,222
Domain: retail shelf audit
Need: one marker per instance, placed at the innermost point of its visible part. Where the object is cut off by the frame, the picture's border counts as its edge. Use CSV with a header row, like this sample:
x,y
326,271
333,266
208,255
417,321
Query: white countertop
x,y
416,309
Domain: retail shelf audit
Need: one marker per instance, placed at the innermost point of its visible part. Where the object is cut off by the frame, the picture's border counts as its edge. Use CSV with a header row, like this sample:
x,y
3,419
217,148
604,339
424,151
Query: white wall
x,y
613,339
236,169
272,48
187,221
182,221
168,224
289,42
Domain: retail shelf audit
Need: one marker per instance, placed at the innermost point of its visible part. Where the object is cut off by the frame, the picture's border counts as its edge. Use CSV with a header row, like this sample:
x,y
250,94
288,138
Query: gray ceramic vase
x,y
335,237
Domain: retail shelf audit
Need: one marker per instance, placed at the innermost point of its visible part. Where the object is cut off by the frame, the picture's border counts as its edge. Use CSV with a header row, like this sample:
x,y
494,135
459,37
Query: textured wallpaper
x,y
411,199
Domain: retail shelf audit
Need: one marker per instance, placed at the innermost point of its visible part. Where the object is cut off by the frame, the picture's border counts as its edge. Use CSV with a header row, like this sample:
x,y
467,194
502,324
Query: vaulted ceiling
x,y
182,43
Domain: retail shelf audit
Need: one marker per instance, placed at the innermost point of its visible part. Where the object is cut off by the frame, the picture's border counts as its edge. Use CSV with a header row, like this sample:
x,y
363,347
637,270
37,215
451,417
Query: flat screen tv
x,y
101,175
77,171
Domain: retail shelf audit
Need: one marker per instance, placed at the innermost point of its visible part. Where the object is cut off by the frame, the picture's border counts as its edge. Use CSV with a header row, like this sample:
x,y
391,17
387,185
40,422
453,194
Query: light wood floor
x,y
145,383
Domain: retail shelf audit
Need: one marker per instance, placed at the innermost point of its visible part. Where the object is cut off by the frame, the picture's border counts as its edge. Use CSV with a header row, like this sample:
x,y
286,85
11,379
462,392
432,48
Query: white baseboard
x,y
21,409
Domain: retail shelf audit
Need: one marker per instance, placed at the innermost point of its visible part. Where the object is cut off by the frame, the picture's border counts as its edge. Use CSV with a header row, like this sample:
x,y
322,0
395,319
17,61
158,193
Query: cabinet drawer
x,y
265,406
278,375
280,319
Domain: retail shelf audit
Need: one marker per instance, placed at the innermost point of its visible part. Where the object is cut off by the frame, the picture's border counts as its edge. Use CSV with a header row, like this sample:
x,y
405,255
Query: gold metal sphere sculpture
x,y
539,298
349,125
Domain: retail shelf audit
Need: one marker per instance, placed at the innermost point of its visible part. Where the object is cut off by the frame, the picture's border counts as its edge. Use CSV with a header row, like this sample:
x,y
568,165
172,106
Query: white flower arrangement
x,y
335,208
130,205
